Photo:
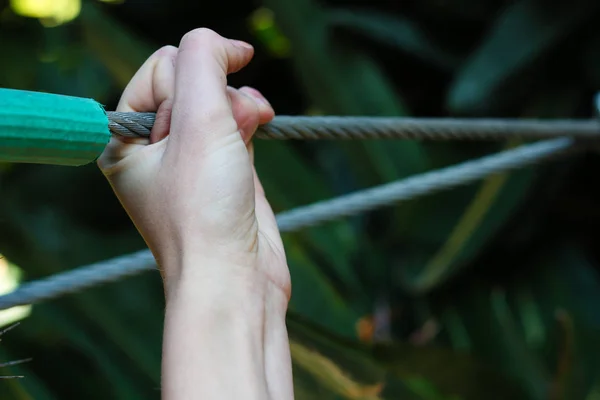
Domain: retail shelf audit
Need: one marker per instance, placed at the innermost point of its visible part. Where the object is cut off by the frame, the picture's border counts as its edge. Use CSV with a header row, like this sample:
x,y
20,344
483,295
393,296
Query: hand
x,y
192,191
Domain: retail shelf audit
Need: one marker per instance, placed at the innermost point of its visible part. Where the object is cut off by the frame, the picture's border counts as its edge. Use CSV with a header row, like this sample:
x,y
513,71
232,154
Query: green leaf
x,y
568,285
321,288
342,80
106,313
495,338
486,213
71,69
106,370
116,46
326,66
494,202
538,326
523,35
394,31
19,70
526,365
400,370
29,388
315,297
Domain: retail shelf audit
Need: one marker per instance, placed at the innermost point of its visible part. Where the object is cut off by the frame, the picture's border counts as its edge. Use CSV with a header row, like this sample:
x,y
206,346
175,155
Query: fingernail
x,y
242,44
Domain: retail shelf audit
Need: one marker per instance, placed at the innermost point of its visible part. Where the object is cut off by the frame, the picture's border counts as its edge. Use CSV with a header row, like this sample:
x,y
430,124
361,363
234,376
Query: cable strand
x,y
310,215
133,124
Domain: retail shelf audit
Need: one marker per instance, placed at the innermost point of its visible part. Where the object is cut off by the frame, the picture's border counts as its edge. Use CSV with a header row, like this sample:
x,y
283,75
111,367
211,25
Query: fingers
x,y
201,108
199,70
250,109
151,89
265,115
152,84
245,112
266,112
164,91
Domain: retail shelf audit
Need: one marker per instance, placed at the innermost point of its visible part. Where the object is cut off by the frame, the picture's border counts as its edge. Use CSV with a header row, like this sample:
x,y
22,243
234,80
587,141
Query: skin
x,y
194,195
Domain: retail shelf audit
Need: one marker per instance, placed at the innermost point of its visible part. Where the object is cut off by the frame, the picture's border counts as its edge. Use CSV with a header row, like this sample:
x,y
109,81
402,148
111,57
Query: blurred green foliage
x,y
490,291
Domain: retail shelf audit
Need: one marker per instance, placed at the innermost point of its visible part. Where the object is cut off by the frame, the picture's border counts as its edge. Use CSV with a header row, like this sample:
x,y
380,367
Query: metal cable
x,y
361,201
349,128
422,184
79,278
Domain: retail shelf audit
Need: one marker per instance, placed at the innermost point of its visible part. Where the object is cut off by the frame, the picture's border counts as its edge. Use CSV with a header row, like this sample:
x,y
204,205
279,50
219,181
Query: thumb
x,y
150,89
202,114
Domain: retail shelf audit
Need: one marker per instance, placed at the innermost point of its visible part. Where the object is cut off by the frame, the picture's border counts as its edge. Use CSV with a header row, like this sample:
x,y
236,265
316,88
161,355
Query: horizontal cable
x,y
133,124
361,201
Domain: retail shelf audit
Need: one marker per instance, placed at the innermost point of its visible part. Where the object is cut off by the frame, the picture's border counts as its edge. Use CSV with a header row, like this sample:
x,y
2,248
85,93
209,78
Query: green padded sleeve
x,y
45,128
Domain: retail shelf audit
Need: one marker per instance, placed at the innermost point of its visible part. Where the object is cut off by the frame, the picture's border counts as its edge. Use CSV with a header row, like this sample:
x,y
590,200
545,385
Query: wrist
x,y
200,263
214,327
213,301
223,285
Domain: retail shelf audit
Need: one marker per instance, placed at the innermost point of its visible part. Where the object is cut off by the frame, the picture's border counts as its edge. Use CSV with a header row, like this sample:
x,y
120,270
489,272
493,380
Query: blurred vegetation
x,y
490,291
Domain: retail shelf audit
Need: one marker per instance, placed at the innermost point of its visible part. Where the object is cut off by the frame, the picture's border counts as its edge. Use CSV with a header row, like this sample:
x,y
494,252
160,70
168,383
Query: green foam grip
x,y
44,128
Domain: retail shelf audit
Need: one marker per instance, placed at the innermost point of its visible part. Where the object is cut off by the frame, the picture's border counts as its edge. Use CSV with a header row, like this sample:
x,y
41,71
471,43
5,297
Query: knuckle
x,y
168,51
165,52
199,37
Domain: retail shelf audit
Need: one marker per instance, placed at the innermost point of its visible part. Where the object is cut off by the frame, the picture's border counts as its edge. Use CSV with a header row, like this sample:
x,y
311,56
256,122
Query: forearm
x,y
224,336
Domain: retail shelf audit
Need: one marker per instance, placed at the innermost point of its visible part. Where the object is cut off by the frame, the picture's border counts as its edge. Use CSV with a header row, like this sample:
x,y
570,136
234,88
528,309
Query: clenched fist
x,y
192,191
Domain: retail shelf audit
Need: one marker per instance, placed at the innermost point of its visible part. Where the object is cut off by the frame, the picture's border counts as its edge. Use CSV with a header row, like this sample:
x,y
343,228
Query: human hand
x,y
191,189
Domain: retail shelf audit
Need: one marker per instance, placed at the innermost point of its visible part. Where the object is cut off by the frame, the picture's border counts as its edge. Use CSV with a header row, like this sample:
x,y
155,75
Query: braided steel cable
x,y
361,201
79,279
133,124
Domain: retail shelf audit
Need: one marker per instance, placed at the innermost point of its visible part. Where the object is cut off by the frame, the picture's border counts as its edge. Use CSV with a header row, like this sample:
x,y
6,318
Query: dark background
x,y
489,291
